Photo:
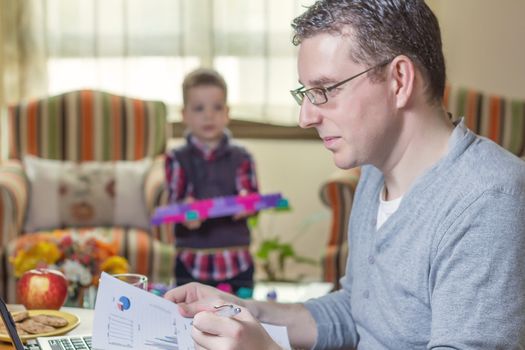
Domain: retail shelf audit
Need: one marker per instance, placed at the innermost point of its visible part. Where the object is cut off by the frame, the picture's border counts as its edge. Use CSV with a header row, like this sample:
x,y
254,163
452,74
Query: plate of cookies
x,y
40,323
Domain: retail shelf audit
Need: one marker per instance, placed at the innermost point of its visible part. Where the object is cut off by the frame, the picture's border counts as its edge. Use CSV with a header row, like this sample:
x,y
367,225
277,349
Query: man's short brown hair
x,y
381,30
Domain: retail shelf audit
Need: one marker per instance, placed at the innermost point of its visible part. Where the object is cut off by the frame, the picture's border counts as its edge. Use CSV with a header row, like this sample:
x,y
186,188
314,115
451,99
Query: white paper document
x,y
127,317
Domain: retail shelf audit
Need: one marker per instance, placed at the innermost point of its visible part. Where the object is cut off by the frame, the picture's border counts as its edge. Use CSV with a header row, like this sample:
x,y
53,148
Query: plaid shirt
x,y
216,265
211,264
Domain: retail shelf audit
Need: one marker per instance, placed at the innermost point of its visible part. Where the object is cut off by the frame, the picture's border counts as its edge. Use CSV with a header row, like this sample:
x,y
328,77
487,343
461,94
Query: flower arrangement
x,y
81,257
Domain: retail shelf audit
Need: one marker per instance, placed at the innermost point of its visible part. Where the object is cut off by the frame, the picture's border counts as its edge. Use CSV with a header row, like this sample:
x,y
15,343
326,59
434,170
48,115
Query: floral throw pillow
x,y
68,194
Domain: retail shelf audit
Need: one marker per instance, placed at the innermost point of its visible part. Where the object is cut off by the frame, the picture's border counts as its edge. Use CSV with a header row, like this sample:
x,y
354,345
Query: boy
x,y
209,165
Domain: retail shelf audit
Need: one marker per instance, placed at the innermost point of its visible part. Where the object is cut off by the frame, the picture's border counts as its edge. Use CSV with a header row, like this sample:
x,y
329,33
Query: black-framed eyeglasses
x,y
318,95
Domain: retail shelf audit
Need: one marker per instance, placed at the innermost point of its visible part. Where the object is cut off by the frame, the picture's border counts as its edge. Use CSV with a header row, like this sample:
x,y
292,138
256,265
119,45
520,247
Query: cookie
x,y
31,326
54,321
20,316
20,331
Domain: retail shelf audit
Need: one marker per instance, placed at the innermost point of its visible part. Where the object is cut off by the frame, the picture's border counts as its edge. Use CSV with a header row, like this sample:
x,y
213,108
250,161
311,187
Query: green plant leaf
x,y
287,250
253,221
266,247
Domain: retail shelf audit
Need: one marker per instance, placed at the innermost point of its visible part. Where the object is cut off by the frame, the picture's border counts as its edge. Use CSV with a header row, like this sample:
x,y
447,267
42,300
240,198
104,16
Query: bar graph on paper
x,y
164,343
149,330
120,331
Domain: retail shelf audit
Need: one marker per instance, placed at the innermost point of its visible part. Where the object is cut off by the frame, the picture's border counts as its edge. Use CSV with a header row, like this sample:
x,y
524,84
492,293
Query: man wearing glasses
x,y
436,233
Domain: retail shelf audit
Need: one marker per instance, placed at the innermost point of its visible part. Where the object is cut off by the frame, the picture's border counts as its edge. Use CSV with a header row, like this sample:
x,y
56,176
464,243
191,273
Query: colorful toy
x,y
245,293
218,207
225,287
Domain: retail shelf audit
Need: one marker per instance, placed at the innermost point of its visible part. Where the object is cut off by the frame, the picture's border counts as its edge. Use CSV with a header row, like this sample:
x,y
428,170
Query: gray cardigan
x,y
446,270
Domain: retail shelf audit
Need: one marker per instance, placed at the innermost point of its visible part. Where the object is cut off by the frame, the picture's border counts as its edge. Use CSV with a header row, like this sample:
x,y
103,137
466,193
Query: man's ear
x,y
403,79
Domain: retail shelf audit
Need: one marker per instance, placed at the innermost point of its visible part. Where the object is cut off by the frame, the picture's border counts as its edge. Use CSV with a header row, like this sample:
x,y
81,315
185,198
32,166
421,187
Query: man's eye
x,y
334,91
318,92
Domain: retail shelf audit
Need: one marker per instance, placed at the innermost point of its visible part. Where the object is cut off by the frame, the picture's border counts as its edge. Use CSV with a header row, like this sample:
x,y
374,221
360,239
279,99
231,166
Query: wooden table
x,y
85,326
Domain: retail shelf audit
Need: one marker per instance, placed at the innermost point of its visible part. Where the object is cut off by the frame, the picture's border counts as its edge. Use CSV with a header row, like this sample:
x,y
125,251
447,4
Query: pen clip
x,y
223,307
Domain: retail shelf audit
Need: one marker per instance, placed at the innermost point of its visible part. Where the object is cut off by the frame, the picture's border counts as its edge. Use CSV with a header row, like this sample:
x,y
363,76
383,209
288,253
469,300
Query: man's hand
x,y
211,331
195,297
243,331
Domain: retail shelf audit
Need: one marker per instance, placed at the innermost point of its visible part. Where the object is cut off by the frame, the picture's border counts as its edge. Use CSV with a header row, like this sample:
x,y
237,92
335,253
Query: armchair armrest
x,y
14,190
338,194
156,194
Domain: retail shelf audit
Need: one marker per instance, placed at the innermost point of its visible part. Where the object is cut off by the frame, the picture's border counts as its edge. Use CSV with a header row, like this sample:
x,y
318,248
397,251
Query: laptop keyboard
x,y
64,343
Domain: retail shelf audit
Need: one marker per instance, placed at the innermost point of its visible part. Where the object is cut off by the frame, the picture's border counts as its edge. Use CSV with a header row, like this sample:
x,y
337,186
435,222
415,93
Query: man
x,y
436,233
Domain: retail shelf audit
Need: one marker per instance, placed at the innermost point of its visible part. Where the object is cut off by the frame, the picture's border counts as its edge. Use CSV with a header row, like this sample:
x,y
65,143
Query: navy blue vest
x,y
212,178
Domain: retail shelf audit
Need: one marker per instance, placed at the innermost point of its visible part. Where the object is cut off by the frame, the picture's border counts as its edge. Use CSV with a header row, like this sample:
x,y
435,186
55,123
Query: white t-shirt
x,y
386,208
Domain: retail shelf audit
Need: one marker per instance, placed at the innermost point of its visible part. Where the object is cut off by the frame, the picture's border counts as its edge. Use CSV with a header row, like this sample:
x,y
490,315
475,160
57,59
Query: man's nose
x,y
309,116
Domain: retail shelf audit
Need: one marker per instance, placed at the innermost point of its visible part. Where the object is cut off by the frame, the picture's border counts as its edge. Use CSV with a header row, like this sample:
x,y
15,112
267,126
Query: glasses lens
x,y
298,96
316,96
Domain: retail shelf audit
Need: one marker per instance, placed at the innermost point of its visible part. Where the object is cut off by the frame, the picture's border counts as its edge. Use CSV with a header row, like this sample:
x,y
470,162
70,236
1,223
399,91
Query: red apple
x,y
42,289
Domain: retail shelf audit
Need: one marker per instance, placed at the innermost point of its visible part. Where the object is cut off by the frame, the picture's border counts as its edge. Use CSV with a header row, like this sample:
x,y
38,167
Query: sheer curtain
x,y
145,47
22,50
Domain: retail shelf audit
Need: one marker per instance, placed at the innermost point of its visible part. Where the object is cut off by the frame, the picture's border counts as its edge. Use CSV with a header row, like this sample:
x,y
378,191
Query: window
x,y
145,47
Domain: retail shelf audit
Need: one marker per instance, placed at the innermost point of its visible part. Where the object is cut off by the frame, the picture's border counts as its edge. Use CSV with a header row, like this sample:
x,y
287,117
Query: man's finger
x,y
180,294
176,295
206,341
209,322
245,315
191,309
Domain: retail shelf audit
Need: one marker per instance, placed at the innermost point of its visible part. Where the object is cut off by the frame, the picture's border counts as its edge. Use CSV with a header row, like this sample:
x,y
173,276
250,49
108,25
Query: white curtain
x,y
144,48
22,50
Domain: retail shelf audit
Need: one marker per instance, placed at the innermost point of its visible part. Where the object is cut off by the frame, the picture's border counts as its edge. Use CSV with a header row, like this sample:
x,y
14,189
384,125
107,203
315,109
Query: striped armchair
x,y
497,118
338,194
85,126
500,119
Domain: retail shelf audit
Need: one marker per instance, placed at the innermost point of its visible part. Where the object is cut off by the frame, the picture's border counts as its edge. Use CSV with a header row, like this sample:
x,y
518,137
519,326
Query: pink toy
x,y
225,287
218,207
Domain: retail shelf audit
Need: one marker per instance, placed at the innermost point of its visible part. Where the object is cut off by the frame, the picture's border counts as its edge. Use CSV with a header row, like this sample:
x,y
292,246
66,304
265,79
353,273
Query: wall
x,y
296,169
483,41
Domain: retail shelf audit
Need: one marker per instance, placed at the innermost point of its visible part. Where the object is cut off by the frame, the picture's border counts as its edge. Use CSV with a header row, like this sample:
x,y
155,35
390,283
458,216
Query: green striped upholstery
x,y
156,195
13,200
82,126
87,125
338,194
499,119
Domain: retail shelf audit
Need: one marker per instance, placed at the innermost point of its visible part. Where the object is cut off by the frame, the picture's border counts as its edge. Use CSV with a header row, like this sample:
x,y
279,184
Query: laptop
x,y
65,342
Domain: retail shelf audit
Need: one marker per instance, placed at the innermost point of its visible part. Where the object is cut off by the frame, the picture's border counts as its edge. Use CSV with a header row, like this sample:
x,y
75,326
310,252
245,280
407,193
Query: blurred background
x,y
143,48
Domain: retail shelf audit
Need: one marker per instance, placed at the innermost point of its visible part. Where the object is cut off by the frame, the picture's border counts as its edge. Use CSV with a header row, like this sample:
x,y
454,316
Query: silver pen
x,y
227,310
